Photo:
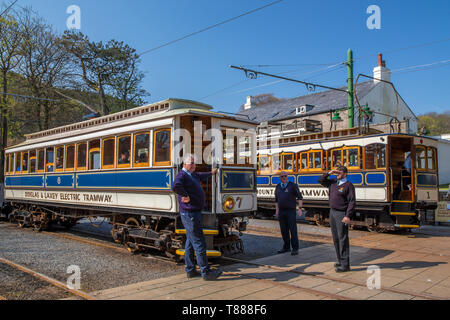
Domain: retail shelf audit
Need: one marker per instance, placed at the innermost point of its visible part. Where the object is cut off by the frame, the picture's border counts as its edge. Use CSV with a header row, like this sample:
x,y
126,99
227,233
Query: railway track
x,y
47,279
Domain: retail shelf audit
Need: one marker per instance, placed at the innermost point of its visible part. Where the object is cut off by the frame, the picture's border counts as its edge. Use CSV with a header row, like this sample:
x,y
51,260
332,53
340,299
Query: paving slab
x,y
409,266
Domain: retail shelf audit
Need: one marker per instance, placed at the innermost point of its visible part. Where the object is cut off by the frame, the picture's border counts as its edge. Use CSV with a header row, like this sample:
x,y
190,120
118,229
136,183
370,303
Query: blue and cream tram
x,y
395,175
122,166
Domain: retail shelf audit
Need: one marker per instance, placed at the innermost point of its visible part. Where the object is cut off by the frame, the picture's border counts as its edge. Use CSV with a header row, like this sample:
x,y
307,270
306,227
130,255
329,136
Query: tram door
x,y
402,169
197,126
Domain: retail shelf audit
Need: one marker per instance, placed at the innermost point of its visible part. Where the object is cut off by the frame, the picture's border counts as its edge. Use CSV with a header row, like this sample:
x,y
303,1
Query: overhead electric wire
x,y
421,66
210,27
9,7
27,97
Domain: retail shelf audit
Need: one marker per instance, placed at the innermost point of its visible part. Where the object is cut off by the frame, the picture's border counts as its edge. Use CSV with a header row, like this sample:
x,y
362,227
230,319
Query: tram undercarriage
x,y
137,232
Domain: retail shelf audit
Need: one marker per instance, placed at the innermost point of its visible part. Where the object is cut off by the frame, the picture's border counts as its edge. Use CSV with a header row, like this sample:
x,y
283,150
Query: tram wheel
x,y
130,243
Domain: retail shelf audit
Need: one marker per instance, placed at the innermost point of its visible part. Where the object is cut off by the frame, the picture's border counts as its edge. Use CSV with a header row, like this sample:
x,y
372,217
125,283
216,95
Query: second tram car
x,y
122,167
395,175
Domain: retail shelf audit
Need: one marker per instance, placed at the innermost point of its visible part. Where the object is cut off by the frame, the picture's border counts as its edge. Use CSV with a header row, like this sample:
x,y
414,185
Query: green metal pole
x,y
351,106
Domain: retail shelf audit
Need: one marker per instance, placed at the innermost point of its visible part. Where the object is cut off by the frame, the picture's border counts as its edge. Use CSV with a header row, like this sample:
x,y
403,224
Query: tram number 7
x,y
239,200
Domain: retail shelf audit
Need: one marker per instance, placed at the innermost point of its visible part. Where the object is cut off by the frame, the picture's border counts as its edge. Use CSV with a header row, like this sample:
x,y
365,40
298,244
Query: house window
x,y
108,150
141,149
124,151
162,147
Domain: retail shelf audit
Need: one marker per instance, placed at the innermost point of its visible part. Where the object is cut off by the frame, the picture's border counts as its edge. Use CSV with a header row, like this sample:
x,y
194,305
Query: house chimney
x,y
381,72
248,105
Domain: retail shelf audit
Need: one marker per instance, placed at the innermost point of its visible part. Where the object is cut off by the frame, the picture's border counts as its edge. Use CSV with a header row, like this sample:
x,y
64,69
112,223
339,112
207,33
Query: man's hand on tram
x,y
214,171
185,199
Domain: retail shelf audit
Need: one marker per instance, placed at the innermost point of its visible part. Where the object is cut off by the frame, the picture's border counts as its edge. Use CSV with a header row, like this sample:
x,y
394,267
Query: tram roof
x,y
159,110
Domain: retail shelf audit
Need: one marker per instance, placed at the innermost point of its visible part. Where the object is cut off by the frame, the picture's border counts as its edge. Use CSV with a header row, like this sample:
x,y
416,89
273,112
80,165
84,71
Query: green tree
x,y
10,57
435,124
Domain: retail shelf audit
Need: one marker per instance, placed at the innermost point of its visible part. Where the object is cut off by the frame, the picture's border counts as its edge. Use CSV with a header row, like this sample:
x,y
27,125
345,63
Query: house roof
x,y
324,101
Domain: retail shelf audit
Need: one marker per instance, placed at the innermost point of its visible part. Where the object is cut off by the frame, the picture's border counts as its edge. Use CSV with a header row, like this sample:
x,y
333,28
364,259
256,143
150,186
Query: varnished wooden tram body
x,y
122,166
388,198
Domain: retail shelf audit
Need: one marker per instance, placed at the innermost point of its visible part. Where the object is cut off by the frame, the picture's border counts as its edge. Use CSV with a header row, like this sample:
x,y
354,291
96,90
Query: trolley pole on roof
x,y
351,105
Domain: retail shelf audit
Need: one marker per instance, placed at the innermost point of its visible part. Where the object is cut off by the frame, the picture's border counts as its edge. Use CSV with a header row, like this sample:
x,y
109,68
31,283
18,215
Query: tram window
x,y
25,161
11,164
70,157
421,158
431,158
304,161
59,158
353,158
33,161
375,156
40,160
264,163
288,162
276,163
7,163
336,158
18,166
317,160
81,156
162,147
123,151
50,160
94,155
108,153
244,150
141,149
311,160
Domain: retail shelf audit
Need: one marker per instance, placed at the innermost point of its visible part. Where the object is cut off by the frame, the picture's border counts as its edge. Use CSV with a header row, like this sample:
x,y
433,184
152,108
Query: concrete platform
x,y
412,267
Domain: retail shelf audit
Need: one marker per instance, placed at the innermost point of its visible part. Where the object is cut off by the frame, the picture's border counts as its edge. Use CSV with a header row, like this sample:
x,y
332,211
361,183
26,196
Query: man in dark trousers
x,y
286,196
191,198
342,205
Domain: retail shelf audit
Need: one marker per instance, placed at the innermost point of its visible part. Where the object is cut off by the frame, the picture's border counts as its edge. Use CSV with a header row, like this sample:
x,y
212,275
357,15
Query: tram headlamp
x,y
228,204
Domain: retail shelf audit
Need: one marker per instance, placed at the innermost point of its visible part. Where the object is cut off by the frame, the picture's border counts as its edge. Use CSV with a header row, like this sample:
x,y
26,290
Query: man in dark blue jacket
x,y
191,198
286,196
342,206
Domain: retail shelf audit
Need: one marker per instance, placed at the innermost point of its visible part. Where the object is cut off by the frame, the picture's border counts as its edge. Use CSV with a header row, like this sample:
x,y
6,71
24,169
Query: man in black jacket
x,y
342,205
286,195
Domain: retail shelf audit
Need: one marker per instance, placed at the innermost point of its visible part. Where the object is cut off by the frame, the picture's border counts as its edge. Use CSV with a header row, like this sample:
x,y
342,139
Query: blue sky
x,y
293,32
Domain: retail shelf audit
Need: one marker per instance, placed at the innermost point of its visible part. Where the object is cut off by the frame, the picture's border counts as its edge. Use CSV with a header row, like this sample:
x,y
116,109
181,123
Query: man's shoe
x,y
294,252
337,265
342,269
192,274
212,275
283,251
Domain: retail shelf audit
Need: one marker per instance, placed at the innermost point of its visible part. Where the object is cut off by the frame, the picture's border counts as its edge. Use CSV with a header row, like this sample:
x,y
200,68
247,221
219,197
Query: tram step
x,y
209,253
407,226
403,213
207,232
